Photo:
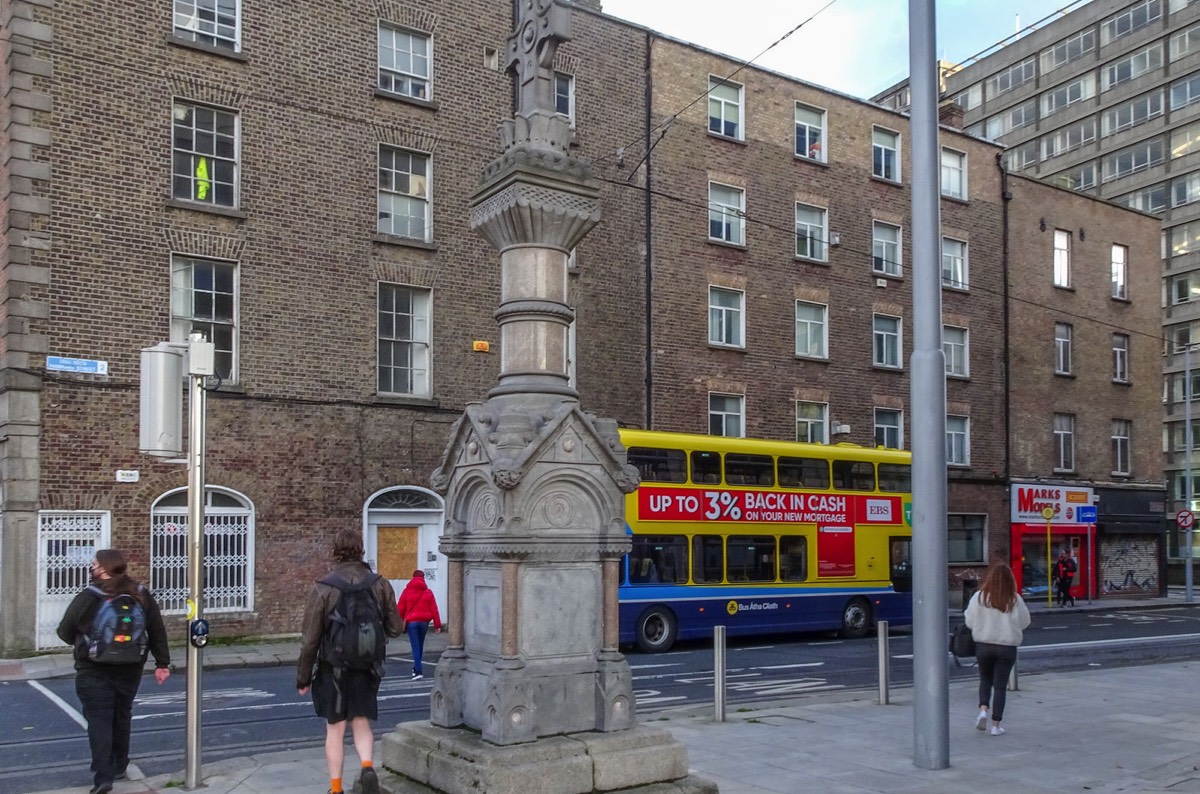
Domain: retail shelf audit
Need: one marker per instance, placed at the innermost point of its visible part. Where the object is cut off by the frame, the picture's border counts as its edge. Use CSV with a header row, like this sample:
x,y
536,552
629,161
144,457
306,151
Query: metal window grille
x,y
67,542
228,559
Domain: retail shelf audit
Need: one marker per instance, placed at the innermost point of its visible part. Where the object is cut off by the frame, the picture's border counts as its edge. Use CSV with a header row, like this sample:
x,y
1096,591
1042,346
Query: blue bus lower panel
x,y
745,611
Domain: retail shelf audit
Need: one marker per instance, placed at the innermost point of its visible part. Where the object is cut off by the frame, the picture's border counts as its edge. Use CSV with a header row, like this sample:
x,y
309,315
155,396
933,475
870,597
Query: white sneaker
x,y
997,730
417,676
981,721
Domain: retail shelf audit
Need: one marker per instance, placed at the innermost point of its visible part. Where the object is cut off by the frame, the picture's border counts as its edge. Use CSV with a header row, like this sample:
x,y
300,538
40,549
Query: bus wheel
x,y
856,619
656,630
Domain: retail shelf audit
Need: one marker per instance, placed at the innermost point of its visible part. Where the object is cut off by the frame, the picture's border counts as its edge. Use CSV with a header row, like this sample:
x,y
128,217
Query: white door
x,y
401,533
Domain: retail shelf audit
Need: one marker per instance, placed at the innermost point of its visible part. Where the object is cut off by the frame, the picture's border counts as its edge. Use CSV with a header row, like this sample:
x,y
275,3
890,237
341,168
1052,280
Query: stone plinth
x,y
457,761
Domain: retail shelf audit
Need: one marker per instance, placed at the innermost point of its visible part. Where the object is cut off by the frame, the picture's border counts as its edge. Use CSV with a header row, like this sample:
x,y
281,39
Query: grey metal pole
x,y
719,673
1091,568
1014,682
1188,593
881,629
931,679
196,405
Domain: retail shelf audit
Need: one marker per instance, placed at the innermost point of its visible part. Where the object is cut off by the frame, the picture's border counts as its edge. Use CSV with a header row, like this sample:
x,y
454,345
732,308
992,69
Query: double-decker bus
x,y
763,536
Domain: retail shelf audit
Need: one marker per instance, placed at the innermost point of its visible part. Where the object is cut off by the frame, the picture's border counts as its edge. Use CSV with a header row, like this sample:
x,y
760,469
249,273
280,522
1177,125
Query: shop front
x,y
1048,520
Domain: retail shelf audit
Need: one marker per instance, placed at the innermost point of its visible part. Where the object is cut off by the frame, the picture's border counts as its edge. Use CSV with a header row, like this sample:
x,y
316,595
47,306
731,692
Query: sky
x,y
858,47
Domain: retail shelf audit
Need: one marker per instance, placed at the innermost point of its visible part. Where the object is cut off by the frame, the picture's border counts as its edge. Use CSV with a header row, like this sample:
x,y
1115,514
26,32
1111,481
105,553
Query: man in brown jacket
x,y
341,695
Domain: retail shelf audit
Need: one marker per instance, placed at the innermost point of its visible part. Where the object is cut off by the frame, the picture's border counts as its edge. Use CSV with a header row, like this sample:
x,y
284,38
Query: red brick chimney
x,y
950,113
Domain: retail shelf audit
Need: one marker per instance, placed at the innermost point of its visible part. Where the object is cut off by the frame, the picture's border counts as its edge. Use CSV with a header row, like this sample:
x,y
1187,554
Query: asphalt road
x,y
43,741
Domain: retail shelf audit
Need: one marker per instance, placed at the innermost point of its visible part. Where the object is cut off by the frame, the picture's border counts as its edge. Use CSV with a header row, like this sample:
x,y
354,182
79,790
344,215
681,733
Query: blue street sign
x,y
1086,515
86,366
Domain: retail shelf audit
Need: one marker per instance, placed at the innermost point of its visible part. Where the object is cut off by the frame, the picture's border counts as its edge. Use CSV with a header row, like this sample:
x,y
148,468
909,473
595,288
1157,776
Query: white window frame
x,y
1130,114
1011,78
1064,442
417,376
1152,199
889,427
1064,338
724,106
1133,18
1120,349
721,412
1185,91
214,23
956,273
1122,434
1131,66
1185,189
564,94
215,295
954,174
812,238
405,71
1185,140
1062,258
887,342
1068,138
407,190
729,211
811,139
887,255
1063,96
212,169
812,422
956,350
885,154
726,320
1120,271
812,328
1132,159
970,97
1184,42
958,440
1069,49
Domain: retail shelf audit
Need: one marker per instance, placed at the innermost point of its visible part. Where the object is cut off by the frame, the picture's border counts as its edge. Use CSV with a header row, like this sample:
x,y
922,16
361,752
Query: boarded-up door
x,y
396,549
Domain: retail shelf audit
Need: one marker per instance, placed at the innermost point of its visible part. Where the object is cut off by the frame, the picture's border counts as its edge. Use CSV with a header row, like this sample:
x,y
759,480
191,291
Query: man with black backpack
x,y
349,616
113,624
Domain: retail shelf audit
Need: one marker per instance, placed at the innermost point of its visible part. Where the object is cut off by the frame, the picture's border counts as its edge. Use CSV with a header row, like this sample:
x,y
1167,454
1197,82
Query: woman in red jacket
x,y
417,607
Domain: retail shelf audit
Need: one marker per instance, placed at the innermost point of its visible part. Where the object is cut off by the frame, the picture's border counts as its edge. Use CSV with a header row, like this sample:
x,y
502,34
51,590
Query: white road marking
x,y
789,666
62,704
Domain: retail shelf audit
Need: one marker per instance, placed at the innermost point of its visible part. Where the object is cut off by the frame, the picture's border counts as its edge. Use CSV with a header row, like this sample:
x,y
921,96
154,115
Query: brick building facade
x,y
298,191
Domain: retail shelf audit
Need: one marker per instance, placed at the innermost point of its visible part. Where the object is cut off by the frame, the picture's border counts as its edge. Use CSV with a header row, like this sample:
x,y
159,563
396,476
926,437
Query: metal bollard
x,y
1014,684
719,673
884,667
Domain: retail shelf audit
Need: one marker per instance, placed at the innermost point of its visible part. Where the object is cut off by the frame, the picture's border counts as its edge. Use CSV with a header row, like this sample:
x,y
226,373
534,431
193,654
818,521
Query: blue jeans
x,y
416,638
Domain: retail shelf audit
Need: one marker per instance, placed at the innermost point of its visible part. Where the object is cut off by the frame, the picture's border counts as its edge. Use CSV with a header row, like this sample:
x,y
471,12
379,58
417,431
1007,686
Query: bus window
x,y
751,558
707,559
706,468
658,558
659,465
803,473
853,475
895,477
749,470
793,559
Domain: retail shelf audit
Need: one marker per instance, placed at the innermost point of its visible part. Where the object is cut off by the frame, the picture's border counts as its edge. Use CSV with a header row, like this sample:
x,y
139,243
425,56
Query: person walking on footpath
x,y
349,615
997,617
1064,573
114,623
417,608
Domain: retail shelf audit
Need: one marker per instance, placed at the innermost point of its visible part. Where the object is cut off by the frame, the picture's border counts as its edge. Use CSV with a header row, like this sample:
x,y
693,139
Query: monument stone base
x,y
429,759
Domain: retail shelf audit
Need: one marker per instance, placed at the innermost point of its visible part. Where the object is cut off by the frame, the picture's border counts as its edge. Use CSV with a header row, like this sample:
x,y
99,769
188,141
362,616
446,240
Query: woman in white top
x,y
996,616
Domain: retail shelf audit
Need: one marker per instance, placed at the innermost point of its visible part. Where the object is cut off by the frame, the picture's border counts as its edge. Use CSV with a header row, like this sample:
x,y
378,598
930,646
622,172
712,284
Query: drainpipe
x,y
1005,197
649,257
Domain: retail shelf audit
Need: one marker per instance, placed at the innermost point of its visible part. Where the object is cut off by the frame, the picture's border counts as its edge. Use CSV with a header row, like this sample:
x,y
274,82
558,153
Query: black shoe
x,y
122,774
101,788
369,781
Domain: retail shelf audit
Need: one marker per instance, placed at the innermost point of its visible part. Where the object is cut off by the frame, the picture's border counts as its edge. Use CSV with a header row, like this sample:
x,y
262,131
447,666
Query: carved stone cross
x,y
541,26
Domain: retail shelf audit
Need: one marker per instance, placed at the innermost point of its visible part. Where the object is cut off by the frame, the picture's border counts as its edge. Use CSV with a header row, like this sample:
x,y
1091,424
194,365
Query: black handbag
x,y
962,642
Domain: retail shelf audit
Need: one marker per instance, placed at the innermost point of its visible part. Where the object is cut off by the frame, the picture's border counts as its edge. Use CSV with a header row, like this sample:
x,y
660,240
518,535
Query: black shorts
x,y
354,694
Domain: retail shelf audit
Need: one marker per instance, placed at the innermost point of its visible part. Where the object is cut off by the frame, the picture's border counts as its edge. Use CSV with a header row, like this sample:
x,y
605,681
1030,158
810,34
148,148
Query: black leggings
x,y
995,663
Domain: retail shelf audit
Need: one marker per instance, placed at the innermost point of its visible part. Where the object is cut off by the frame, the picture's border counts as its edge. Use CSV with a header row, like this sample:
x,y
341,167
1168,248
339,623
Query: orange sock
x,y
335,785
367,764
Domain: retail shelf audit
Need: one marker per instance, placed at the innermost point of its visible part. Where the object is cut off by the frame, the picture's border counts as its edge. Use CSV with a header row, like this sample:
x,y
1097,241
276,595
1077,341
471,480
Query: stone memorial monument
x,y
532,693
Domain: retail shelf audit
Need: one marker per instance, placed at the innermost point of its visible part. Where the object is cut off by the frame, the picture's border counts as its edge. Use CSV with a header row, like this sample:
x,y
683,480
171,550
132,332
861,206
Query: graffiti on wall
x,y
1129,565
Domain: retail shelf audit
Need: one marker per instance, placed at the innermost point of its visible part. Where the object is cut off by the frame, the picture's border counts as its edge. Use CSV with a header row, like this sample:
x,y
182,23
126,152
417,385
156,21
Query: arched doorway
x,y
402,526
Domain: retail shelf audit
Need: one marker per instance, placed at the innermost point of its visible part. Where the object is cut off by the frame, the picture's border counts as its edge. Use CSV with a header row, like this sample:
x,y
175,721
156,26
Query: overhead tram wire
x,y
665,124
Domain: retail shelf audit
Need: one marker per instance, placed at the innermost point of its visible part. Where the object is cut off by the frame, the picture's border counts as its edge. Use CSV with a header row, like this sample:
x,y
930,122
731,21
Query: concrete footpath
x,y
1098,730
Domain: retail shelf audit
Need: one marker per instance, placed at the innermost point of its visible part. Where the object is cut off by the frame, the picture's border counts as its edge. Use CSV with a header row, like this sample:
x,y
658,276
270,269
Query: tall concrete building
x,y
296,187
1104,100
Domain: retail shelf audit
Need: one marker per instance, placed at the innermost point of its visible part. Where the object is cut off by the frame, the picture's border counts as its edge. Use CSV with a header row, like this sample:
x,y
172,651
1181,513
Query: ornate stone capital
x,y
529,205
